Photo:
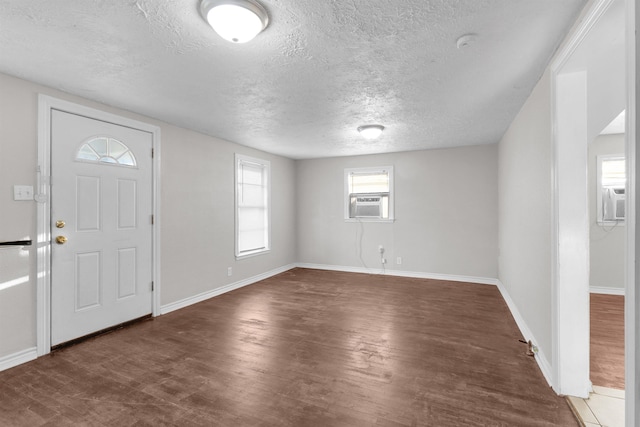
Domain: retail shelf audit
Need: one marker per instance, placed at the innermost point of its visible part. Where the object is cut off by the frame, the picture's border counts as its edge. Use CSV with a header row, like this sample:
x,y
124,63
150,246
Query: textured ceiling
x,y
303,86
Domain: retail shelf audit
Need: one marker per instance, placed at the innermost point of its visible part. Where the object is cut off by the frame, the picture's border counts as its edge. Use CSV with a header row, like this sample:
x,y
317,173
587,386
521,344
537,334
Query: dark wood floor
x,y
607,341
304,348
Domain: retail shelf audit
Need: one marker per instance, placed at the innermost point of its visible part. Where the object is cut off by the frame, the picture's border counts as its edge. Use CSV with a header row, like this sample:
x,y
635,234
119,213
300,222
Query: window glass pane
x,y
613,173
369,183
252,240
252,195
251,174
116,148
385,207
127,159
99,145
87,153
108,160
251,219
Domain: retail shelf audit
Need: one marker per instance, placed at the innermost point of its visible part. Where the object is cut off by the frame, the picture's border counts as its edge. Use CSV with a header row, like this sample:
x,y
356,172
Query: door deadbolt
x,y
60,224
61,240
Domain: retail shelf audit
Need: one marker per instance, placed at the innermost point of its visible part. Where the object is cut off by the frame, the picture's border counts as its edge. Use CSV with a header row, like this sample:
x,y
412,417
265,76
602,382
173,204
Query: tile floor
x,y
604,407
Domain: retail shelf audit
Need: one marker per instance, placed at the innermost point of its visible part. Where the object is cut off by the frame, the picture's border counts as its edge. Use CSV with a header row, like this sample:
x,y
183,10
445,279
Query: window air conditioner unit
x,y
613,201
365,205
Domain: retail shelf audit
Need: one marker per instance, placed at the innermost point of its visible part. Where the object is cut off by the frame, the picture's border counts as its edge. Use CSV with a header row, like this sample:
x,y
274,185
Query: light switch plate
x,y
22,192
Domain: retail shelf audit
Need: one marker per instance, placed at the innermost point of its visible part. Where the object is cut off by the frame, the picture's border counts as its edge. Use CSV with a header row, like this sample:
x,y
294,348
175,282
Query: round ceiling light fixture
x,y
371,131
237,21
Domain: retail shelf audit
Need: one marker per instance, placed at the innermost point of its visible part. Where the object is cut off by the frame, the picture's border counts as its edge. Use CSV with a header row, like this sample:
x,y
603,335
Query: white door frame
x,y
570,219
43,194
632,295
568,381
570,269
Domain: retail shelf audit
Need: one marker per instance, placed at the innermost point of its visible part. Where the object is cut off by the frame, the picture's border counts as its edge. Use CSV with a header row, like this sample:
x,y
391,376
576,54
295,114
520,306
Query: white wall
x,y
607,243
445,209
18,137
603,54
196,212
524,262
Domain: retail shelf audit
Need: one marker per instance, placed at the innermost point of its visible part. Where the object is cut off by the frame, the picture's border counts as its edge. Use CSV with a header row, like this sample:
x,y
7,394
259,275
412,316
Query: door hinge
x,y
152,219
152,287
152,153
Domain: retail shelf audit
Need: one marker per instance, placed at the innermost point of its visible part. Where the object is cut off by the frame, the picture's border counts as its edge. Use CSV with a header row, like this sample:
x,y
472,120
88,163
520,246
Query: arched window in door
x,y
106,150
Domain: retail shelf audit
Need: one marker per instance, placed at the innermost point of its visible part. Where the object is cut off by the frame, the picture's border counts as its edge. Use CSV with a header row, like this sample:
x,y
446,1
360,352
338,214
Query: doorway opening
x,y
589,91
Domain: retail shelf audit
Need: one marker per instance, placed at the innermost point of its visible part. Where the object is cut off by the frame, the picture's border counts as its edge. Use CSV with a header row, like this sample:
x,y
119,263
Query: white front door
x,y
101,225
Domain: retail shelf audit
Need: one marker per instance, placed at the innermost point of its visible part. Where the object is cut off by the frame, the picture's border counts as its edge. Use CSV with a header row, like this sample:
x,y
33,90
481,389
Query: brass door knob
x,y
60,224
61,240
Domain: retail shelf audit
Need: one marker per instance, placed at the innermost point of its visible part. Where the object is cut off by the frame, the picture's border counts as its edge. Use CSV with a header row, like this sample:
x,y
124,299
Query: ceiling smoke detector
x,y
237,21
371,131
466,41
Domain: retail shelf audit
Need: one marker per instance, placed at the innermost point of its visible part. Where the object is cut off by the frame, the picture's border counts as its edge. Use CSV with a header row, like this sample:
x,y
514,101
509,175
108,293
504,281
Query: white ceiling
x,y
616,126
303,86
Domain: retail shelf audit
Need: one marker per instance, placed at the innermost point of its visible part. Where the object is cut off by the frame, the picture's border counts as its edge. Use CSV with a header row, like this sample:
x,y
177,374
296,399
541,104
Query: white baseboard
x,y
15,359
540,357
606,290
415,274
168,308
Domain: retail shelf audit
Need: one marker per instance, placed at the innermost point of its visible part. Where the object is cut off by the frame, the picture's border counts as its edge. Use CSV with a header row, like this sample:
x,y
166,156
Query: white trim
x,y
414,274
364,219
632,296
604,290
540,356
43,224
168,308
18,358
43,228
569,310
266,172
587,22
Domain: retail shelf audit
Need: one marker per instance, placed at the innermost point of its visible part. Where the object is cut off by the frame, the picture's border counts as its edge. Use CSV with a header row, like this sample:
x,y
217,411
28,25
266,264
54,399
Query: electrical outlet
x,y
384,260
229,271
399,260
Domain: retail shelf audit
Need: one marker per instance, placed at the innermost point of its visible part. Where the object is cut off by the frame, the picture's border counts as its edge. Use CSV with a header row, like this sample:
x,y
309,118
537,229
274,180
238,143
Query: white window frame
x,y
347,194
266,165
599,187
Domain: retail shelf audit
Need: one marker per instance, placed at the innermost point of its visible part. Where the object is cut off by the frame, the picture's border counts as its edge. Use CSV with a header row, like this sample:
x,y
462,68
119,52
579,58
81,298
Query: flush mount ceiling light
x,y
371,131
237,21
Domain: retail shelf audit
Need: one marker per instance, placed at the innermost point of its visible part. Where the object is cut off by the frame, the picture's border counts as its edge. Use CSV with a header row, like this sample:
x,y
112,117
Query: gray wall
x,y
197,211
525,177
525,196
445,209
607,243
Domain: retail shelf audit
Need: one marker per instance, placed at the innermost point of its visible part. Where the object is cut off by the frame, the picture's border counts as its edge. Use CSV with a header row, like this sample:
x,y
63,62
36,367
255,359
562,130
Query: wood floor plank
x,y
304,348
607,341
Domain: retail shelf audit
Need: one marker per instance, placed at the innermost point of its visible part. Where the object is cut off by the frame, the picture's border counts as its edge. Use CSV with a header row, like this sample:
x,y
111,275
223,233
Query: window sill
x,y
252,254
391,220
610,223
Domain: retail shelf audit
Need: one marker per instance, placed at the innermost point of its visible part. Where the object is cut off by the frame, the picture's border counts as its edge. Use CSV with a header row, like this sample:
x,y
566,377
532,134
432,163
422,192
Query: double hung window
x,y
252,206
369,194
610,196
